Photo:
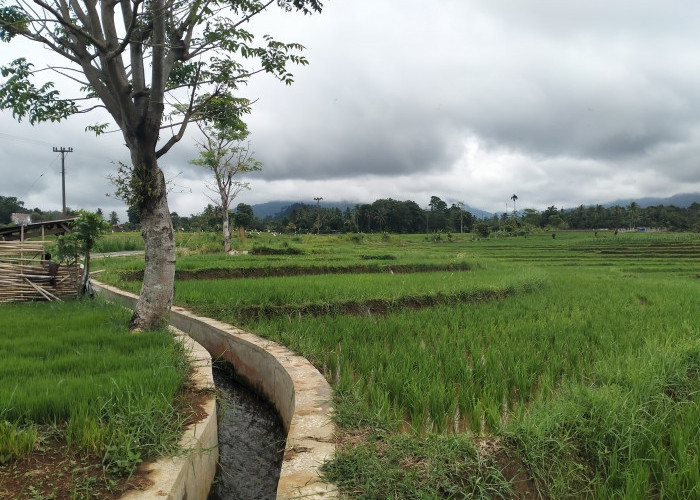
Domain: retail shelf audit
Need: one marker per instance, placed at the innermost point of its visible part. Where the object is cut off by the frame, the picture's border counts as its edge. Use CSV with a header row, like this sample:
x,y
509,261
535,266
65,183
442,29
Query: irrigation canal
x,y
251,442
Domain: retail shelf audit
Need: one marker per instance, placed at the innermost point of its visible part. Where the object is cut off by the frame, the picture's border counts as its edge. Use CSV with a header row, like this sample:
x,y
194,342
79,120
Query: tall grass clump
x,y
16,440
630,433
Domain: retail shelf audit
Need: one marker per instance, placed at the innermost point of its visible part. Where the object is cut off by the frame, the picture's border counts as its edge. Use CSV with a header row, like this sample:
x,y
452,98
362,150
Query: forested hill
x,y
683,200
279,209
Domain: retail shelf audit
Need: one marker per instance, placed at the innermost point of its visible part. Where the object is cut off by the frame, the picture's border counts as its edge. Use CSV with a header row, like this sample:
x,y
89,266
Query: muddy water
x,y
251,442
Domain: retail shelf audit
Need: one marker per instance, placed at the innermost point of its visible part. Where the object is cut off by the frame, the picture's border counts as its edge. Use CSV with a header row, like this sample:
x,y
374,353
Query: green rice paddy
x,y
573,359
72,371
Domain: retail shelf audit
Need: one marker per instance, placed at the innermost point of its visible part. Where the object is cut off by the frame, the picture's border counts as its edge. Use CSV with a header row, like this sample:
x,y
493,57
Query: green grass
x,y
74,366
587,373
402,466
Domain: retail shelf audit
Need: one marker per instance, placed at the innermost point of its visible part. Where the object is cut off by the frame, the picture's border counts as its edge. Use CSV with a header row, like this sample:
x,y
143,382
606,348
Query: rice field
x,y
577,375
72,374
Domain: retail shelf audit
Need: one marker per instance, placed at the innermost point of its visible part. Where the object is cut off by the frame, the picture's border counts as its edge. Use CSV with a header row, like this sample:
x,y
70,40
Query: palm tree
x,y
514,197
633,209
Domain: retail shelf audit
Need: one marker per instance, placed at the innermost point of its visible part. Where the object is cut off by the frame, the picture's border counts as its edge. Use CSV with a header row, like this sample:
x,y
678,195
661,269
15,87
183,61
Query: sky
x,y
559,103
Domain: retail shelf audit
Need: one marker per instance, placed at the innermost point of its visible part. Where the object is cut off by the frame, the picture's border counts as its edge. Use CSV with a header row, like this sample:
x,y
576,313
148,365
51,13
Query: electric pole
x,y
318,214
63,152
461,214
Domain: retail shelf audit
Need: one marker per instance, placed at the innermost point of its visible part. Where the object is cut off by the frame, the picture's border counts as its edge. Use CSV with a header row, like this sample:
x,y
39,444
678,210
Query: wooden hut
x,y
25,272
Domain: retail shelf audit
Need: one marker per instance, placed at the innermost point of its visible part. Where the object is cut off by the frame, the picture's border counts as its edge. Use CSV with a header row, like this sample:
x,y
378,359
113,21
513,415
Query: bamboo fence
x,y
25,276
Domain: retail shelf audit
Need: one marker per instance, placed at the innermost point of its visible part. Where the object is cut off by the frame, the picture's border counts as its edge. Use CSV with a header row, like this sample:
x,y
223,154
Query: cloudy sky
x,y
559,102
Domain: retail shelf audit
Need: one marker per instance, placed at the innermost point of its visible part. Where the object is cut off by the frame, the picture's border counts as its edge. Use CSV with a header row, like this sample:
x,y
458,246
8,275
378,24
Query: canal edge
x,y
300,393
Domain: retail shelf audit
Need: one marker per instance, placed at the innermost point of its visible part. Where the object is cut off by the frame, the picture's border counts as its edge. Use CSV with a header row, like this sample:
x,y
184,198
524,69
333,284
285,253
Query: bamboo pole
x,y
25,276
48,295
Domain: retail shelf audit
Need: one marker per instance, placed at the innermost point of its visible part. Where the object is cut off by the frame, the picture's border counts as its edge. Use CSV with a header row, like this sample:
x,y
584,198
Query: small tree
x,y
244,216
224,153
155,66
113,218
482,229
85,231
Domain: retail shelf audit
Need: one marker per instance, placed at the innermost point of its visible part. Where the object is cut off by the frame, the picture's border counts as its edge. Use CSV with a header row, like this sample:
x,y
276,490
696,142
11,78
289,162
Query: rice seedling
x,y
73,370
585,369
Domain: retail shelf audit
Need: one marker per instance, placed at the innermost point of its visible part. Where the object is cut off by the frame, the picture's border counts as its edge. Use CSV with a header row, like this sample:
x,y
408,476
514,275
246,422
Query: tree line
x,y
594,217
381,216
404,217
393,216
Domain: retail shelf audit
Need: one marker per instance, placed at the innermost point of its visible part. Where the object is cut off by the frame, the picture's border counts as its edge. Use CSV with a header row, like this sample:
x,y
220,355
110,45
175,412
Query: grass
x,y
71,371
402,466
587,373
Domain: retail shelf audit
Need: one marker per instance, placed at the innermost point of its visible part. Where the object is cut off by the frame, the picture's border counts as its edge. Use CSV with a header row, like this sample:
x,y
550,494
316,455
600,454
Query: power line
x,y
15,138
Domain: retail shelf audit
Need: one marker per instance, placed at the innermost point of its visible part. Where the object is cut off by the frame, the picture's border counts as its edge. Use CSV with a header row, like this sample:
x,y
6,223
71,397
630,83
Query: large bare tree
x,y
154,66
227,155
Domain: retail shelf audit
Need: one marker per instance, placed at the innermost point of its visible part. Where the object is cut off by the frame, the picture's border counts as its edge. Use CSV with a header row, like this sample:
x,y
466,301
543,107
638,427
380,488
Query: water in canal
x,y
251,442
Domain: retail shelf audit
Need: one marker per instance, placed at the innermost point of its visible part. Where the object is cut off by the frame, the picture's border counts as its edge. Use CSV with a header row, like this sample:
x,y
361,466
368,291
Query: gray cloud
x,y
567,102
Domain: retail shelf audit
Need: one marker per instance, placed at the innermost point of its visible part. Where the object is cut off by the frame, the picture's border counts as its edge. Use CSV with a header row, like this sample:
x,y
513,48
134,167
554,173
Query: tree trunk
x,y
156,297
227,231
82,289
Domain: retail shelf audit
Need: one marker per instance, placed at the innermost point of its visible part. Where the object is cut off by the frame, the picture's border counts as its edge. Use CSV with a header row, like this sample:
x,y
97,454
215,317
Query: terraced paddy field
x,y
529,367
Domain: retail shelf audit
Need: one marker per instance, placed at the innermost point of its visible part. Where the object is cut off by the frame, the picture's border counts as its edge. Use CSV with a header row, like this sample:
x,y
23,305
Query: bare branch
x,y
69,26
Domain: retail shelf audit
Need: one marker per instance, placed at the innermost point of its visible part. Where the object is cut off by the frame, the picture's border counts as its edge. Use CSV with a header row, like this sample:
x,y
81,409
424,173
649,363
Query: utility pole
x,y
63,152
318,214
461,213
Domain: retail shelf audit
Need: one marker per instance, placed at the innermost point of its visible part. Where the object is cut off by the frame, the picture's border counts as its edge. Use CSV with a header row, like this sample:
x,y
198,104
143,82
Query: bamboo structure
x,y
26,276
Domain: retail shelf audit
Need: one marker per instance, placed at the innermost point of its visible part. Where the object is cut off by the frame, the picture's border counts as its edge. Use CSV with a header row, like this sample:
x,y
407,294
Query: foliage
x,y
227,157
482,229
244,216
8,206
85,231
175,42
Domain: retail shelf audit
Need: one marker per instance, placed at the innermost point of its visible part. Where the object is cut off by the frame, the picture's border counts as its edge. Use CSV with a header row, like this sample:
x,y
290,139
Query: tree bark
x,y
226,230
156,297
82,289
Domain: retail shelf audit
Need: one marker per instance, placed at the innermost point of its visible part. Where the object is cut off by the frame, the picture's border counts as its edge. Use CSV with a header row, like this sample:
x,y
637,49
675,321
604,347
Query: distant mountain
x,y
281,208
683,200
277,209
478,213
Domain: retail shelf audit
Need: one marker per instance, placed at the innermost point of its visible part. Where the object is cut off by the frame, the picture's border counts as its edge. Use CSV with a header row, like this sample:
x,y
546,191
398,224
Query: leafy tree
x,y
633,210
244,215
482,229
85,231
438,213
224,154
134,215
437,205
178,221
8,206
155,67
113,218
